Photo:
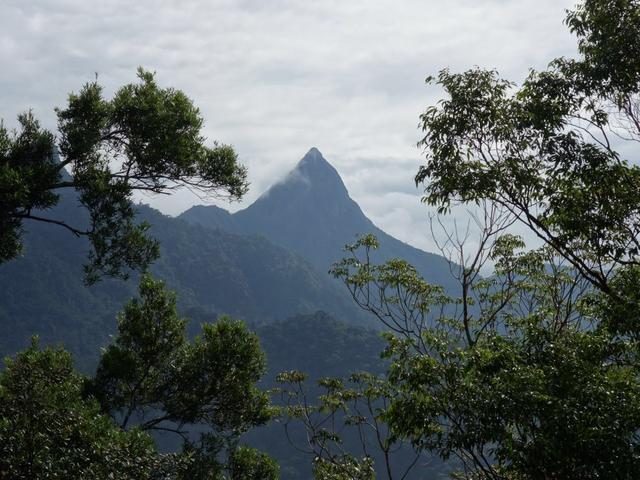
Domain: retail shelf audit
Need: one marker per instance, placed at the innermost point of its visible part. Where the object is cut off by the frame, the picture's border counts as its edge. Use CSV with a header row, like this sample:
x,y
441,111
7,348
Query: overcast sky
x,y
276,77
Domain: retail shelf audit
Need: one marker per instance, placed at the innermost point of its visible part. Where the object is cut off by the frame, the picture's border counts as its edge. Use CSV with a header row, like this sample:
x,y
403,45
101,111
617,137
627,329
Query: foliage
x,y
151,376
358,406
525,386
48,430
146,138
52,420
249,464
343,468
532,372
547,151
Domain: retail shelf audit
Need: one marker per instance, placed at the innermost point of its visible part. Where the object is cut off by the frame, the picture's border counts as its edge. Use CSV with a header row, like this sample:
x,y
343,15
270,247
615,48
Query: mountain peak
x,y
308,211
313,171
313,156
313,159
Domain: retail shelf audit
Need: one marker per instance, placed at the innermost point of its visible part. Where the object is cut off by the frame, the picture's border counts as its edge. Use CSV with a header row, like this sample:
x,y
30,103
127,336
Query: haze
x,y
276,78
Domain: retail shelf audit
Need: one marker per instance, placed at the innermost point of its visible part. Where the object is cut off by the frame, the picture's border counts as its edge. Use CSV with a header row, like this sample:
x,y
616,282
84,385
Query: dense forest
x,y
294,338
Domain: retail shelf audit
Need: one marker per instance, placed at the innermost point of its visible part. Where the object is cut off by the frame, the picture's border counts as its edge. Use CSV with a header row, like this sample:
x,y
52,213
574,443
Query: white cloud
x,y
274,78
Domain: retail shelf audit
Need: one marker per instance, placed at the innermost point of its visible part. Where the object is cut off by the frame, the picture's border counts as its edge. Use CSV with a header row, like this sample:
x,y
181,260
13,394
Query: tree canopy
x,y
152,378
531,371
146,138
550,151
49,430
56,423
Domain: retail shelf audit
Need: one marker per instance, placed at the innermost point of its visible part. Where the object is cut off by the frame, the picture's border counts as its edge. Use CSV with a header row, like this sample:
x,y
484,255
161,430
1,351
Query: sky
x,y
274,78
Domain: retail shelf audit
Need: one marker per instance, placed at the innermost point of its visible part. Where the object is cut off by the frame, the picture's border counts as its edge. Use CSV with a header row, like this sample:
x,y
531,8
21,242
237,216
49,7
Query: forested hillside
x,y
266,263
310,212
252,346
215,271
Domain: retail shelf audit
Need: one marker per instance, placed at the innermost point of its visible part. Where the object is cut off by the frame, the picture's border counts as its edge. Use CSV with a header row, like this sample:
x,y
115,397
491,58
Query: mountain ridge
x,y
214,272
233,268
310,212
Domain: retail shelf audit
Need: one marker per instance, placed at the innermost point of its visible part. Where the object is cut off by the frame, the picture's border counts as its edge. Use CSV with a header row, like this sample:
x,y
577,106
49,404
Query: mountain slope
x,y
213,272
242,275
311,213
226,269
323,347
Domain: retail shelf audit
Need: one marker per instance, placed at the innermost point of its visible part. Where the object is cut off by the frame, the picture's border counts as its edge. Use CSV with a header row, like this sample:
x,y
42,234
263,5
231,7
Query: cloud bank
x,y
274,78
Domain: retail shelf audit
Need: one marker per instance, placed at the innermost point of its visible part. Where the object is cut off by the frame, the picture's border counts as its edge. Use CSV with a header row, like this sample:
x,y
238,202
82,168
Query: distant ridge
x,y
311,213
243,264
213,271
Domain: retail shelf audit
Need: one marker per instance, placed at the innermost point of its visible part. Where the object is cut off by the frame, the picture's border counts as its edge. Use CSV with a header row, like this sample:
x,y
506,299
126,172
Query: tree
x,y
248,463
532,372
152,379
56,423
146,138
547,151
48,430
520,384
355,409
